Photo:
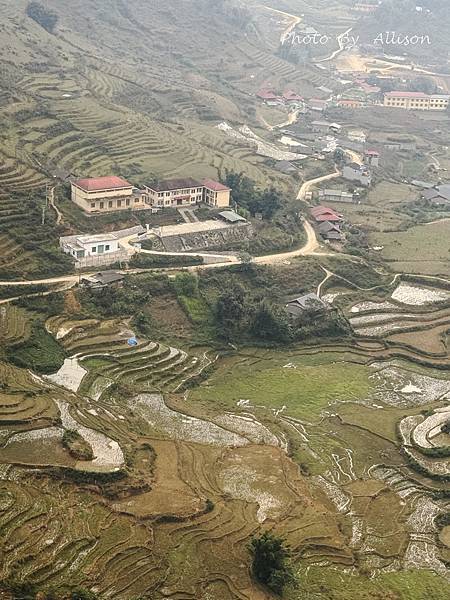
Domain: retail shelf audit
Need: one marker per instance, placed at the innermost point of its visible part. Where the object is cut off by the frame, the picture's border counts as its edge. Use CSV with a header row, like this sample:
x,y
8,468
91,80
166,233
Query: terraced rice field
x,y
200,472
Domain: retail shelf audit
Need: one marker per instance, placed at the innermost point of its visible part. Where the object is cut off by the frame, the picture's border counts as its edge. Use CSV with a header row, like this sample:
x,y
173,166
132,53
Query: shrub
x,y
271,562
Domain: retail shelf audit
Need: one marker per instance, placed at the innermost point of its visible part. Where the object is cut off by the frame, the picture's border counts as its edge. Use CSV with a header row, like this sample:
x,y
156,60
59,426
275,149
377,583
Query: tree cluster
x,y
271,564
246,195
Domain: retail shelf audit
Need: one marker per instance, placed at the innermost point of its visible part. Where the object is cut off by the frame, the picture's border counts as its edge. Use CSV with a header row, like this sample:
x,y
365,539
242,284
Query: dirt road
x,y
311,182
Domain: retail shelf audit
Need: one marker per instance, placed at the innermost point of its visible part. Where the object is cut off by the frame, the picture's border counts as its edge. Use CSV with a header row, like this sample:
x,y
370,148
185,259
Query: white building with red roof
x,y
106,194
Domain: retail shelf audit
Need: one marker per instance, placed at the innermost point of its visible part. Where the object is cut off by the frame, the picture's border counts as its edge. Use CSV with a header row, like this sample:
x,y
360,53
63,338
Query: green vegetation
x,y
331,584
304,385
38,242
40,352
77,445
271,562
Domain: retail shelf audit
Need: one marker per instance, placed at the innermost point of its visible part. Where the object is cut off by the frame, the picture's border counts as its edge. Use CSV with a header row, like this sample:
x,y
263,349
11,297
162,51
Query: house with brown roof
x,y
187,192
106,194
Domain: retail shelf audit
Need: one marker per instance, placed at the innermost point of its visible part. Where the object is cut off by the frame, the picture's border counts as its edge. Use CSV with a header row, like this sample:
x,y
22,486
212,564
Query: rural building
x,y
356,135
330,231
349,103
98,249
372,158
359,173
317,104
216,194
439,195
323,213
335,196
106,194
310,303
103,279
416,101
187,192
232,217
270,97
426,185
325,127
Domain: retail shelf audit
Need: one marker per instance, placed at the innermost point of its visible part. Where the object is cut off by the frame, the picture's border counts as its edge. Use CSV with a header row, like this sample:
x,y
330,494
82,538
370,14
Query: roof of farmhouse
x,y
99,184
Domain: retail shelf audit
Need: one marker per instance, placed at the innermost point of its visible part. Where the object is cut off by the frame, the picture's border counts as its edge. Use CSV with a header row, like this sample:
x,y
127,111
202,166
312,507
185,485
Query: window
x,y
102,205
119,203
107,247
128,202
136,200
110,204
92,204
94,249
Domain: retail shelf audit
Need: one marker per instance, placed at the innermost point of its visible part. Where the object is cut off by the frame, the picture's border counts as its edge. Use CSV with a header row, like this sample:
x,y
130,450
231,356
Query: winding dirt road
x,y
311,247
311,182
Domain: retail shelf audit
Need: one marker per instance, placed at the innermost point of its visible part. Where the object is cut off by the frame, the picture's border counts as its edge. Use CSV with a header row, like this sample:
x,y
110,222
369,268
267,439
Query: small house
x,y
330,231
323,213
372,158
103,279
335,196
309,303
360,173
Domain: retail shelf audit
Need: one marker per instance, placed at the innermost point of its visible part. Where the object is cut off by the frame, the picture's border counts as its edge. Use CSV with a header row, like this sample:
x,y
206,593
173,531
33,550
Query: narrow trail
x,y
338,51
328,275
51,200
295,21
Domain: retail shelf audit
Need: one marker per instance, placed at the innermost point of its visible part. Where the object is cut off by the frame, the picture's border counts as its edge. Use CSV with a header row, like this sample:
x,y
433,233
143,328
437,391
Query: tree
x,y
186,284
270,323
231,311
246,261
248,196
271,562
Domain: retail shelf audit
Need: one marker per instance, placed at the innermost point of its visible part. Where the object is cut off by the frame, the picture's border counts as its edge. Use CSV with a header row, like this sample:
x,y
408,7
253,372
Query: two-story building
x,y
416,101
187,192
106,194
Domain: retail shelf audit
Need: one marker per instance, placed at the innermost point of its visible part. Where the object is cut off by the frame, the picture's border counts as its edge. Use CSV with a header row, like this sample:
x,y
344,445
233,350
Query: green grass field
x,y
421,249
303,385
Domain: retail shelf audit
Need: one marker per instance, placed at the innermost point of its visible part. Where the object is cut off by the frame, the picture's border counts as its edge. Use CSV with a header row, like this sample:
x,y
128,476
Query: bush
x,y
41,352
271,562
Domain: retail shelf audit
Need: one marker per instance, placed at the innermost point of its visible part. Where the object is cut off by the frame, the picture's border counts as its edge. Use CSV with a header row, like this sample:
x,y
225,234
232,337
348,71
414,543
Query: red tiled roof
x,y
327,217
267,95
98,184
372,153
291,95
406,95
319,210
215,185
